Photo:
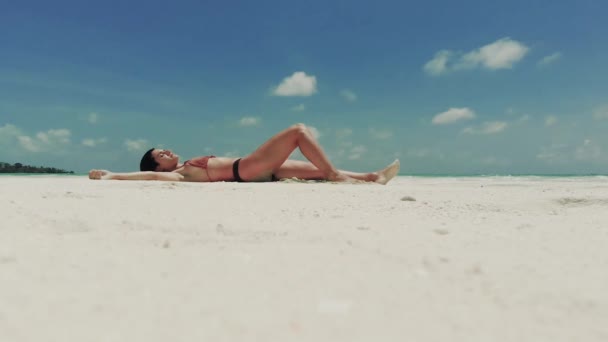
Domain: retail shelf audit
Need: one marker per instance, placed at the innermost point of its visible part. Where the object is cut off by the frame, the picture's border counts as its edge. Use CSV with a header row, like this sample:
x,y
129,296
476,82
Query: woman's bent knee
x,y
299,127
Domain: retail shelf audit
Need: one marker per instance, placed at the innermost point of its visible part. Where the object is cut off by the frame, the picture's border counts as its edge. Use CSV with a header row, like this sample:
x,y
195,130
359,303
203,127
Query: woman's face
x,y
167,161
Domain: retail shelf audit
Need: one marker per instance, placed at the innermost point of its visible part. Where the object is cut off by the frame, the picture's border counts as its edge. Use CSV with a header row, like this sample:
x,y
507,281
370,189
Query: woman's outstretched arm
x,y
147,175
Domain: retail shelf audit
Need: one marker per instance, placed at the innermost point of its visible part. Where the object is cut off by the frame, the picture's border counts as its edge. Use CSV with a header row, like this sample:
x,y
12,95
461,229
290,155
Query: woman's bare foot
x,y
386,174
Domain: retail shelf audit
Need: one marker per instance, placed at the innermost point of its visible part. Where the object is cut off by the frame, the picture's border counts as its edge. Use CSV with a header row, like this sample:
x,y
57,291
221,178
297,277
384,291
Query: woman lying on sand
x,y
268,163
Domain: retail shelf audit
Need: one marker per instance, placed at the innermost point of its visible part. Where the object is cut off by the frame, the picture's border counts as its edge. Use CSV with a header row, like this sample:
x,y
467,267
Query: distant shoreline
x,y
19,168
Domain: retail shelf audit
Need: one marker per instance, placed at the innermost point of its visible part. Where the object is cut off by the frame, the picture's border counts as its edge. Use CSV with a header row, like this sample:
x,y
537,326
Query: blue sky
x,y
467,87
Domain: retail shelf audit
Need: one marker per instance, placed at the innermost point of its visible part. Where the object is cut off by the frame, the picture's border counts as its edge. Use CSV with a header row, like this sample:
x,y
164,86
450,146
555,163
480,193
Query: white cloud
x,y
299,108
232,154
136,145
601,113
344,132
418,152
521,119
298,84
357,152
494,161
249,121
555,153
315,132
349,95
359,149
8,133
550,59
438,65
29,144
501,54
492,127
44,141
93,118
51,140
550,120
346,143
588,151
425,153
380,134
452,115
93,142
54,136
89,142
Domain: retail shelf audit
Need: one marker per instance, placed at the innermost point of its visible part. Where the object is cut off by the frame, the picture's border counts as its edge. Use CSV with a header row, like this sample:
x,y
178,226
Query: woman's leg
x,y
306,170
269,157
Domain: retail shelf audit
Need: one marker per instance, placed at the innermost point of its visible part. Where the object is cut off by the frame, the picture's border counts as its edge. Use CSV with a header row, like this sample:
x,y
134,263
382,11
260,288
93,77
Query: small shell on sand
x,y
408,198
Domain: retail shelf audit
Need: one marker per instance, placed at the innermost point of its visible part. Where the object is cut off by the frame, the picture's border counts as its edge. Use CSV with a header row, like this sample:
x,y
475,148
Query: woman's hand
x,y
100,174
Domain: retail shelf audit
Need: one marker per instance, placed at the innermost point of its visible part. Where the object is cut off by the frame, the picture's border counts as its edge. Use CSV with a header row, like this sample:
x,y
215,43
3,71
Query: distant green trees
x,y
20,168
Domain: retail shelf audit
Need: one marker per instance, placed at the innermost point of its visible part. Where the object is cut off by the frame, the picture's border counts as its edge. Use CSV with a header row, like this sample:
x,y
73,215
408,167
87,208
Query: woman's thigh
x,y
270,155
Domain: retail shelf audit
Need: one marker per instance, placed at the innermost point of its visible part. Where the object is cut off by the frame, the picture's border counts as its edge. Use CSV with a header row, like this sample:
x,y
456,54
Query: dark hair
x,y
147,162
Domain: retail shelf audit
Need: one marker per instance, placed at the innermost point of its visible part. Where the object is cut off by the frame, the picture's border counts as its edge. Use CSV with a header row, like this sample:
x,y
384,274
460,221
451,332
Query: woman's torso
x,y
217,169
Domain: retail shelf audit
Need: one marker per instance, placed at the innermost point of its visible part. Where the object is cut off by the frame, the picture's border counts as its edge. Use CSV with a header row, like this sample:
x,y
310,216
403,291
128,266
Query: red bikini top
x,y
199,161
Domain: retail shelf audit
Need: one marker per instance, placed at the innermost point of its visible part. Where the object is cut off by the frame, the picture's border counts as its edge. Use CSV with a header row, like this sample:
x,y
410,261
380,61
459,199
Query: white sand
x,y
471,259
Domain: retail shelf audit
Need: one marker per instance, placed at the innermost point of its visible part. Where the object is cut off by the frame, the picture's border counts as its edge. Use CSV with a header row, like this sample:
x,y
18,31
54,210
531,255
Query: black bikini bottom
x,y
237,177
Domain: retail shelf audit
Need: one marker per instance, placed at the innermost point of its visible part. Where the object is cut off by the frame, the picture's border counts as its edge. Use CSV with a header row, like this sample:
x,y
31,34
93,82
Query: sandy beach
x,y
420,259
